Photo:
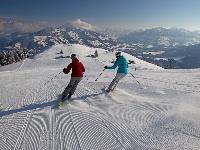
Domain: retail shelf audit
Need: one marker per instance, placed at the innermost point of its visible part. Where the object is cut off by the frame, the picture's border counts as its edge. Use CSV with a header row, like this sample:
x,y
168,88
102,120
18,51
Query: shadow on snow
x,y
53,104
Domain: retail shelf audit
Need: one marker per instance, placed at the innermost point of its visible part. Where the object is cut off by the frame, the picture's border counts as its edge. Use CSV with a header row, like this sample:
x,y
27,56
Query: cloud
x,y
83,25
10,25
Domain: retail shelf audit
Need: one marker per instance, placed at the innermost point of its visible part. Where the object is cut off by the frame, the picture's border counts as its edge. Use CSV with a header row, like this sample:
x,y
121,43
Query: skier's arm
x,y
114,66
67,70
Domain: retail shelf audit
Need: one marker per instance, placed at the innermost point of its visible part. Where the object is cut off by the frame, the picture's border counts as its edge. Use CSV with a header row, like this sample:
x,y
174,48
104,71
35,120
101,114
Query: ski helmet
x,y
73,56
117,54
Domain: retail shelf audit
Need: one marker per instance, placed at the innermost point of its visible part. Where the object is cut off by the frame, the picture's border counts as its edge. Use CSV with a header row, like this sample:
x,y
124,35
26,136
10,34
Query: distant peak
x,y
159,28
83,25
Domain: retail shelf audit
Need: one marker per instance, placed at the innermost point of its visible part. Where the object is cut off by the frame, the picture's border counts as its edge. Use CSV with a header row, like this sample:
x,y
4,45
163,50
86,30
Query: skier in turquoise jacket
x,y
122,70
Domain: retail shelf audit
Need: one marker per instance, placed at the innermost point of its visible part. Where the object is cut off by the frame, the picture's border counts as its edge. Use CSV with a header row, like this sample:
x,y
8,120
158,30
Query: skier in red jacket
x,y
76,76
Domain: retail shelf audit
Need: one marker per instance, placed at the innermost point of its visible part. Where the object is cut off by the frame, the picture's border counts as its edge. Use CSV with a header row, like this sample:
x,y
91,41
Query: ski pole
x,y
99,75
52,78
55,75
135,78
86,77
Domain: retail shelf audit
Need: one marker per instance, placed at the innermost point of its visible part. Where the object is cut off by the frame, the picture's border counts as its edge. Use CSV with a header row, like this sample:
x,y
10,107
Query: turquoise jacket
x,y
122,65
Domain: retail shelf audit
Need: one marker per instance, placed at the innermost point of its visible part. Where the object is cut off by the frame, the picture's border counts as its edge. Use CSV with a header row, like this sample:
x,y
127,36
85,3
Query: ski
x,y
65,102
106,91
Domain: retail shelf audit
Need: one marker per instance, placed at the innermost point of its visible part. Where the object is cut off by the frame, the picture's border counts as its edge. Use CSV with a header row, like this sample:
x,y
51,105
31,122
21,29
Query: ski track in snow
x,y
153,115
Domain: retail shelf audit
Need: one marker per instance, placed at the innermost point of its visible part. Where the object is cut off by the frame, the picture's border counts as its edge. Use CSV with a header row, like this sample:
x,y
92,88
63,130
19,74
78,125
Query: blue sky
x,y
130,14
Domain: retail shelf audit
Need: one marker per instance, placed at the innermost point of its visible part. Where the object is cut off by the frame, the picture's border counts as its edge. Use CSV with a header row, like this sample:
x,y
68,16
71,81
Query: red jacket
x,y
77,68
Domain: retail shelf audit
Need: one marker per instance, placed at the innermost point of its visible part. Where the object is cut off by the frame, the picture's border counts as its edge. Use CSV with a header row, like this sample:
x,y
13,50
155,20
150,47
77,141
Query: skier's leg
x,y
73,89
115,81
69,87
110,87
119,77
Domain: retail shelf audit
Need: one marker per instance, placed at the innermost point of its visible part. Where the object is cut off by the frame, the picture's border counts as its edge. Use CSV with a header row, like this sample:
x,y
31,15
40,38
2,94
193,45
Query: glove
x,y
106,67
65,70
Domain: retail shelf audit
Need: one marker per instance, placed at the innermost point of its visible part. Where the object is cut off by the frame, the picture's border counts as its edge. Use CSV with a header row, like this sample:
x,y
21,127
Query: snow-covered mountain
x,y
72,35
83,25
183,57
158,45
155,45
163,38
37,42
160,113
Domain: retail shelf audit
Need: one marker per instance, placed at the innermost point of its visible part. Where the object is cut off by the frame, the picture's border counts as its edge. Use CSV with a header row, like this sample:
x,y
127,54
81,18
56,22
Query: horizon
x,y
47,24
113,14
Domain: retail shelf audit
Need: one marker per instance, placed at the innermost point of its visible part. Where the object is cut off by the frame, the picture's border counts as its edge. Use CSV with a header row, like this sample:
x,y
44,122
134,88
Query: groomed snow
x,y
162,112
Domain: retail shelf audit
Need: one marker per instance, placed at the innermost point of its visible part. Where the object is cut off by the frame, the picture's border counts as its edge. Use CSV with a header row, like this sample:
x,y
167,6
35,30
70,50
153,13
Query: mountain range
x,y
159,45
156,45
31,43
162,38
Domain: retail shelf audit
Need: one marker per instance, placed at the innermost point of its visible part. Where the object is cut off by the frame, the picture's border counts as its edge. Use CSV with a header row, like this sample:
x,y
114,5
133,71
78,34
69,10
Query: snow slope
x,y
160,113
